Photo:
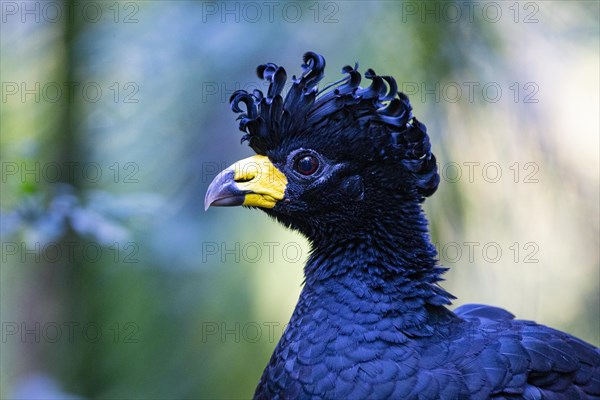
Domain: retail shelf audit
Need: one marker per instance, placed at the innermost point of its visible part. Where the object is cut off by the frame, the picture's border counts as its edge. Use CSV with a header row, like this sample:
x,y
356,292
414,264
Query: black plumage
x,y
372,321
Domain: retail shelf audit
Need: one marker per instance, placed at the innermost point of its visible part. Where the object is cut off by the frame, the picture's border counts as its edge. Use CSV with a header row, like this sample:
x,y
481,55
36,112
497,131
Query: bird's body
x,y
349,169
339,345
374,332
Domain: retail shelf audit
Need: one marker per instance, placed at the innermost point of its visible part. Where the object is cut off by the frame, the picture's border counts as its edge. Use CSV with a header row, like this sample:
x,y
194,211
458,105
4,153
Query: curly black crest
x,y
267,120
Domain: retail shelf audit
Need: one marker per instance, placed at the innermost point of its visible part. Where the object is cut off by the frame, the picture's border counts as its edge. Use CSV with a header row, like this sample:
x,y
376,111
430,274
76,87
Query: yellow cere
x,y
265,182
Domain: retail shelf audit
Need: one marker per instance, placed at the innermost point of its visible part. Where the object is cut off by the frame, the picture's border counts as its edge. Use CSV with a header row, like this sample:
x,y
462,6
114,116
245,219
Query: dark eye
x,y
307,165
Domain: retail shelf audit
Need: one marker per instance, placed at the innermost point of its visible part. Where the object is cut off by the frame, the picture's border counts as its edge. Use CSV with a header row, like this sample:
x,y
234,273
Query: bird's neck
x,y
394,257
395,243
396,288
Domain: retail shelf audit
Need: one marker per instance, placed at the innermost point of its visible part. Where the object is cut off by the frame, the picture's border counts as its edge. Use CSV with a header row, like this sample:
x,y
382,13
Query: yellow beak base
x,y
253,181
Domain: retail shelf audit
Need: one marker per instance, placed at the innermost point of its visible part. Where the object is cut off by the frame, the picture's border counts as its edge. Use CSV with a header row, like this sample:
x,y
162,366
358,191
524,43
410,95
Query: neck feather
x,y
393,256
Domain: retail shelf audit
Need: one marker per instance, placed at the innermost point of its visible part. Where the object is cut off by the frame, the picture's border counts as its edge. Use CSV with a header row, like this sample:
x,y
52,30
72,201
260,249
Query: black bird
x,y
349,168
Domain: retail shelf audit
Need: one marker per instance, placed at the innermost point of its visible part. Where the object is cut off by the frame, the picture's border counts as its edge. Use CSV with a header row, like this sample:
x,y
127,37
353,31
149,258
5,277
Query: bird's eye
x,y
307,165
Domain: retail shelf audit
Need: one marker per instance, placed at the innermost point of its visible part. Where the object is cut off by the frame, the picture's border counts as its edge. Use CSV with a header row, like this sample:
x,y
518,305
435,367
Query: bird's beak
x,y
253,181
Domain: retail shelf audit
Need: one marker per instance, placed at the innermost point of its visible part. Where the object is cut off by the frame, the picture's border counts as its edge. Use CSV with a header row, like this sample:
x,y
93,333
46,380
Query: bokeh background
x,y
115,283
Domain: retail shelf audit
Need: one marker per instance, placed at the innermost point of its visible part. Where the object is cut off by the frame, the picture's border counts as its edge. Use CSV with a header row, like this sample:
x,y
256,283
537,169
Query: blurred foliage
x,y
127,101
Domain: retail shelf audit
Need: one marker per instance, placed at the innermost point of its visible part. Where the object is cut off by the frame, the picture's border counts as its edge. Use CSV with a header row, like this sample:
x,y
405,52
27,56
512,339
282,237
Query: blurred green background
x,y
114,119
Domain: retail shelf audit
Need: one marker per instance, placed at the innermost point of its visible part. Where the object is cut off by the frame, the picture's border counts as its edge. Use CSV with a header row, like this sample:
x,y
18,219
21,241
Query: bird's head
x,y
335,161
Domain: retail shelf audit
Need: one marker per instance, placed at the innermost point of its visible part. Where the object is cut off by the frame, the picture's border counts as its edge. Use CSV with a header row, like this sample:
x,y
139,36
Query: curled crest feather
x,y
267,120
